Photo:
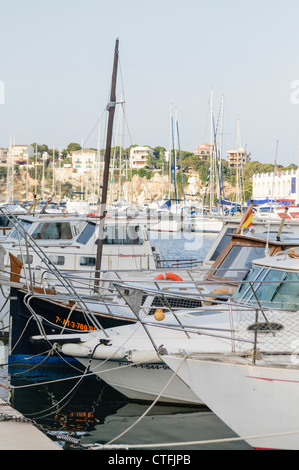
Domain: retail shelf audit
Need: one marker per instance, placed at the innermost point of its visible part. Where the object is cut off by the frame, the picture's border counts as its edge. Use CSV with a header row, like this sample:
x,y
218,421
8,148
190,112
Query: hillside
x,y
137,186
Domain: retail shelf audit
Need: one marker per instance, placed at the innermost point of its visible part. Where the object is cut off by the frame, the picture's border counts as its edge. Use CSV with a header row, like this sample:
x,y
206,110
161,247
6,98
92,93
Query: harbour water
x,y
64,403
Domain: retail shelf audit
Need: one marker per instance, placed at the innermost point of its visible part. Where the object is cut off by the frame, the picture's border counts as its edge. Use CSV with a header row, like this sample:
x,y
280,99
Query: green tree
x,y
72,147
41,148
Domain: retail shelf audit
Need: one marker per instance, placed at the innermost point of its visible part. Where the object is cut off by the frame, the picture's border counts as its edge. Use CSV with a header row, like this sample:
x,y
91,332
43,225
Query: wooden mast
x,y
111,110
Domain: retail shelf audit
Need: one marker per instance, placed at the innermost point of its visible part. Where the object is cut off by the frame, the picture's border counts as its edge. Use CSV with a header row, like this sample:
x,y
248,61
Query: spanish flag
x,y
248,220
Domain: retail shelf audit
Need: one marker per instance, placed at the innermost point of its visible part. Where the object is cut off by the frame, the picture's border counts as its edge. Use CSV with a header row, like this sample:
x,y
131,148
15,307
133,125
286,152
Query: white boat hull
x,y
259,403
143,382
205,225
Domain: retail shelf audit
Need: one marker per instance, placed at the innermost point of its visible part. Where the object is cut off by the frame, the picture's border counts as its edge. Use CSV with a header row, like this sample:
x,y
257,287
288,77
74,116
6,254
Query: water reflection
x,y
95,413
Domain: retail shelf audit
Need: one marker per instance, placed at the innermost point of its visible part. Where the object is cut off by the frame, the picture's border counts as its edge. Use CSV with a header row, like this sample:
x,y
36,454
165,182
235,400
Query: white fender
x,y
99,352
143,356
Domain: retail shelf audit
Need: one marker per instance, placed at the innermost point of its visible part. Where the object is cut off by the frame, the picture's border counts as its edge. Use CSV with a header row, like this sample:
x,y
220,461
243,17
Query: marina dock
x,y
18,433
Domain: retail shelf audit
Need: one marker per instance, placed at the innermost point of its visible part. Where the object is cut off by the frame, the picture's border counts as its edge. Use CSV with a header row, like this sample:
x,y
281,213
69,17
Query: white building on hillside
x,y
138,156
203,151
85,160
238,158
20,153
282,185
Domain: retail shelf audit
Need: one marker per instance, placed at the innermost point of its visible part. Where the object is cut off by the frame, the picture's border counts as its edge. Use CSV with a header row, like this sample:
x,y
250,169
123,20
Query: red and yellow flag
x,y
248,221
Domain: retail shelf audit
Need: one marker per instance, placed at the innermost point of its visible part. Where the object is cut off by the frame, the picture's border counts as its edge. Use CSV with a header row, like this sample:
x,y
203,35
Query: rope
x,y
175,444
150,407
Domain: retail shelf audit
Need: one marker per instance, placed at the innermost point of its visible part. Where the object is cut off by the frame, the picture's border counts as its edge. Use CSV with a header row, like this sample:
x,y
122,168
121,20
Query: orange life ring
x,y
168,277
293,253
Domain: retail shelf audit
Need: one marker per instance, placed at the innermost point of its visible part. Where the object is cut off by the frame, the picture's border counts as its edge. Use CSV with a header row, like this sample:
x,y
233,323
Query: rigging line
x,y
175,444
122,87
151,406
55,405
96,124
49,353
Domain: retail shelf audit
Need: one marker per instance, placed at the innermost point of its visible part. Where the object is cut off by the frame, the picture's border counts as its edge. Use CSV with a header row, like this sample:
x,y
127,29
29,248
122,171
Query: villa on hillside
x,y
203,151
238,158
138,156
84,160
20,153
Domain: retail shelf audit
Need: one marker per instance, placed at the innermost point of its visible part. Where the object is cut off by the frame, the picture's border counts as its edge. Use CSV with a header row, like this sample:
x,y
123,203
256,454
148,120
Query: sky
x,y
56,61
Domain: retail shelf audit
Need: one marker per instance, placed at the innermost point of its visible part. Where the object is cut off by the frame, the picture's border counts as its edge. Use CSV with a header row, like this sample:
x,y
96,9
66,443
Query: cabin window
x,y
238,261
122,235
4,221
264,288
25,224
286,295
25,259
57,260
224,241
86,233
87,261
52,231
253,274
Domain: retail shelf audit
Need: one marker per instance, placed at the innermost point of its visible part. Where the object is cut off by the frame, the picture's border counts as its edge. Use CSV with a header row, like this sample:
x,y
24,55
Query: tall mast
x,y
211,154
237,169
53,174
174,162
220,183
111,111
35,172
169,153
179,146
120,149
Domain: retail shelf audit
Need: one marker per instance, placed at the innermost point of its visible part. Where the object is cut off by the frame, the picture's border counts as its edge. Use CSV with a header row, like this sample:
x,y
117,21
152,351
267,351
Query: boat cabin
x,y
70,241
272,282
237,256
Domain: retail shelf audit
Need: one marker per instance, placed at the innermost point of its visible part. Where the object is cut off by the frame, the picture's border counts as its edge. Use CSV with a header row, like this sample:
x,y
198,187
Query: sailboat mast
x,y
179,146
211,153
220,184
169,153
237,169
111,111
174,161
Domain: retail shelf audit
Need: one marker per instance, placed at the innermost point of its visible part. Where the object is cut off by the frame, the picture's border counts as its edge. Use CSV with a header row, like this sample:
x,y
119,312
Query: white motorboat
x,y
214,280
256,395
224,267
70,242
130,358
258,402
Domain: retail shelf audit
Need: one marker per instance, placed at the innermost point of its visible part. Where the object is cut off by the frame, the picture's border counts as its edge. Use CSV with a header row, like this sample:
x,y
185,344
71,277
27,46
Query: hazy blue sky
x,y
56,62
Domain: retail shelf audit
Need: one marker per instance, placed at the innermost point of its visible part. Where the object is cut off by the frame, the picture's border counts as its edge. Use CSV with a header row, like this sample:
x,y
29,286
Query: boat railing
x,y
252,329
62,280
